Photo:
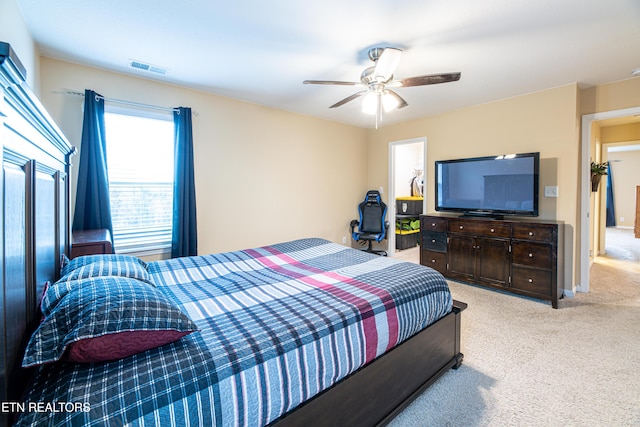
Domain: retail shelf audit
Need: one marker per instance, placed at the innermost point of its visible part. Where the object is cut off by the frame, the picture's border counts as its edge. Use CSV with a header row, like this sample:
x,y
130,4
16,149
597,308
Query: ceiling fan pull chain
x,y
377,110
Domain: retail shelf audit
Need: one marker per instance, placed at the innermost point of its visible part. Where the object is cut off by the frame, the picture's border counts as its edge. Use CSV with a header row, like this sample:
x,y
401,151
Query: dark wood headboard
x,y
34,211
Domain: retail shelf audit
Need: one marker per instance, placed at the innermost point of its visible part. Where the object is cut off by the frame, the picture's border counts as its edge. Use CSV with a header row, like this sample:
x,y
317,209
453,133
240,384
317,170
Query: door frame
x,y
391,205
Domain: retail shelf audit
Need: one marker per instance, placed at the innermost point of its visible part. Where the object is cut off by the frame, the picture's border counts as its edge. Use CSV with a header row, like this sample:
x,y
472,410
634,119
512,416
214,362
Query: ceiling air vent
x,y
139,65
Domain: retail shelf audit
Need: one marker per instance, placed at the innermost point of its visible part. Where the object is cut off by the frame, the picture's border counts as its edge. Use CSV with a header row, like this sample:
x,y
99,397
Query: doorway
x,y
588,251
620,212
407,168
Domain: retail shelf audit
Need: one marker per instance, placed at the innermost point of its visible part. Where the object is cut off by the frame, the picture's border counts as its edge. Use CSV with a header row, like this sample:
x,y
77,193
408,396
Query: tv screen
x,y
490,186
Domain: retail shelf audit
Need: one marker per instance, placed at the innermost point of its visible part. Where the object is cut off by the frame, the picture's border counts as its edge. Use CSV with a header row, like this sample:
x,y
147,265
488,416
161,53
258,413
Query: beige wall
x,y
621,133
596,201
14,31
545,121
262,175
611,96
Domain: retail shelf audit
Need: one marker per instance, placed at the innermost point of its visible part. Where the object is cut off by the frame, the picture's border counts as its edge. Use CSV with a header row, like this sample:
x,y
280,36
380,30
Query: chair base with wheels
x,y
372,225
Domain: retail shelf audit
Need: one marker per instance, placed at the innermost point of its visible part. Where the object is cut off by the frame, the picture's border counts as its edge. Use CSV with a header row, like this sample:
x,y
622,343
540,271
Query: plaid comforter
x,y
277,325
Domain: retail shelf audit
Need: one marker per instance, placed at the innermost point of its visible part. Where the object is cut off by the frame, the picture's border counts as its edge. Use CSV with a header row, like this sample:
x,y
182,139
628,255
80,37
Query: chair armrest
x,y
354,222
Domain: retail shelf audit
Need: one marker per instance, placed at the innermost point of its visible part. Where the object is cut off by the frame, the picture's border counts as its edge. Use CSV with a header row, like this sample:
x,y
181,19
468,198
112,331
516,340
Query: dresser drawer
x,y
480,228
434,241
536,232
430,223
531,280
435,260
532,254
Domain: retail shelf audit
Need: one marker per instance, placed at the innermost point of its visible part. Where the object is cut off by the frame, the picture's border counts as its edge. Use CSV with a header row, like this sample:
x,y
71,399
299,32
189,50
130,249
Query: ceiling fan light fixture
x,y
370,103
389,102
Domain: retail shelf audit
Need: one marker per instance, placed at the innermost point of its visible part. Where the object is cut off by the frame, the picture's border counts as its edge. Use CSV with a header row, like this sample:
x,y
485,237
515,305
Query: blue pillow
x,y
122,314
69,265
94,266
106,267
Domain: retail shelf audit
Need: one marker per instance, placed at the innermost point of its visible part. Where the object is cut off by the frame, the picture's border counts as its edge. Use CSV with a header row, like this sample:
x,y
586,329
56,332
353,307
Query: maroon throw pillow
x,y
119,345
102,312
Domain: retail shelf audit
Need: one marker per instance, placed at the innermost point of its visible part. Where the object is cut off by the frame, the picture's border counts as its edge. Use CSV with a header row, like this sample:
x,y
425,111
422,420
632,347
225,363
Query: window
x,y
140,164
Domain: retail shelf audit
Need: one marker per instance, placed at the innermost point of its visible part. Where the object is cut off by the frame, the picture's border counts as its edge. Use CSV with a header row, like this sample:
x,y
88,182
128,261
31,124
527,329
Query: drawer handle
x,y
530,280
433,240
433,224
461,227
433,260
493,230
531,233
530,255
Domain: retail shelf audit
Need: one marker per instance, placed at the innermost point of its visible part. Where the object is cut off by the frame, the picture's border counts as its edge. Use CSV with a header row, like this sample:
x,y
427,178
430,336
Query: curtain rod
x,y
131,103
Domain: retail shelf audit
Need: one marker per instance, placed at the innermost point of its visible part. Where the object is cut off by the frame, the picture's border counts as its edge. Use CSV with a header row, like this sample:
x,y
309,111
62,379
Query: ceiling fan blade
x,y
330,82
349,98
387,63
429,79
401,102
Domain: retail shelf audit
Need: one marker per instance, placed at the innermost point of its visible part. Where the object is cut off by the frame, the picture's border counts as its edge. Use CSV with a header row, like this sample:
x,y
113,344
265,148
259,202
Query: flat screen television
x,y
492,186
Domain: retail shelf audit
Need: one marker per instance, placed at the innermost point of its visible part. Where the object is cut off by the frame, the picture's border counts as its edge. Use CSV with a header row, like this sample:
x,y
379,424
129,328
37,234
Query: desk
x,y
91,242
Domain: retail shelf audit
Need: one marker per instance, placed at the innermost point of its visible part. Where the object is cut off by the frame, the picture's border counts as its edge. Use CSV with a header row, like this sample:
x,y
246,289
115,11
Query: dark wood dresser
x,y
91,242
515,256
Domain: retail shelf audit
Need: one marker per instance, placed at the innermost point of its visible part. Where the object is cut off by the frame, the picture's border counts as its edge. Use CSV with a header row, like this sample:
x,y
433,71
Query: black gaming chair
x,y
372,225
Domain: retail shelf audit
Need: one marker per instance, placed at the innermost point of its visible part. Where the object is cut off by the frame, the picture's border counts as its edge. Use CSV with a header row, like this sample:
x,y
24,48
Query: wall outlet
x,y
344,240
621,219
550,191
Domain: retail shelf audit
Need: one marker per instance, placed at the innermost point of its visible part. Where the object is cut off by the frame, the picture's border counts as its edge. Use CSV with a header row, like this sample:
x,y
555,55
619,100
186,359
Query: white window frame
x,y
145,243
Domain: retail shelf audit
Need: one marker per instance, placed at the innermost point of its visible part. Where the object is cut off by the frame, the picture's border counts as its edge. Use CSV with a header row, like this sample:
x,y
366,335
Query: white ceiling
x,y
261,51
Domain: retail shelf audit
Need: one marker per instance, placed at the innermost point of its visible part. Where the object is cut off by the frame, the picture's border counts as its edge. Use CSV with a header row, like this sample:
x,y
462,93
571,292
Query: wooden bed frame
x,y
383,388
35,212
36,215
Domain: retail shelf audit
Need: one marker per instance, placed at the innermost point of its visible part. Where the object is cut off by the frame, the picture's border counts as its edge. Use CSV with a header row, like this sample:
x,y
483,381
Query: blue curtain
x,y
611,212
93,208
184,241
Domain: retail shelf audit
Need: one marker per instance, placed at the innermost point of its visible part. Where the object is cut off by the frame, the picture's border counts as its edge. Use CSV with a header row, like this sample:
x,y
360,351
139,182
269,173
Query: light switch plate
x,y
550,191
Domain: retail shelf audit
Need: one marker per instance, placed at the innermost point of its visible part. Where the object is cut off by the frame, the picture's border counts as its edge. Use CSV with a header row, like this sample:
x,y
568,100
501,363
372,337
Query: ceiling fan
x,y
378,81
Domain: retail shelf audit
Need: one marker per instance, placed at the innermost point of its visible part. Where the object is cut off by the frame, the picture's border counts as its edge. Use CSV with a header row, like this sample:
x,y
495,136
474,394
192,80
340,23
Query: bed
x,y
228,355
275,326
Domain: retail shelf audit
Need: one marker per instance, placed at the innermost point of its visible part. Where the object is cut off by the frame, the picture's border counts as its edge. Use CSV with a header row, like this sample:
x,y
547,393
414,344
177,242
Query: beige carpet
x,y
527,364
